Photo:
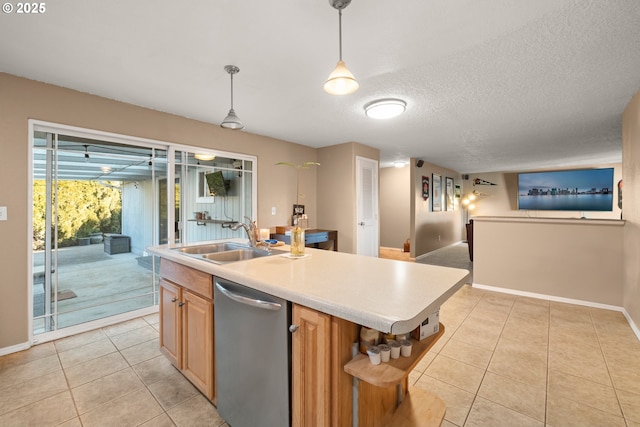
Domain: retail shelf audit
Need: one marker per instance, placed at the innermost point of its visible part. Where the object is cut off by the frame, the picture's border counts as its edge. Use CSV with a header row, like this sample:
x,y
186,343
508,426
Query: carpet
x,y
456,256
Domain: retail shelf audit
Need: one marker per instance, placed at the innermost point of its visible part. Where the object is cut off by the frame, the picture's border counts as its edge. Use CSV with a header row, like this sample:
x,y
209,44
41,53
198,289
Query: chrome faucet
x,y
251,230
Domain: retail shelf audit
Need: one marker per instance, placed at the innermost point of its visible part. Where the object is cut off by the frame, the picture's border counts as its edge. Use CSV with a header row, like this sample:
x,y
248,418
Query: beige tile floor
x,y
503,361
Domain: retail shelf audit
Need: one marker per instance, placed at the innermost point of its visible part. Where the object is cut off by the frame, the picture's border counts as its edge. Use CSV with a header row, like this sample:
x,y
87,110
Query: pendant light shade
x,y
340,81
232,121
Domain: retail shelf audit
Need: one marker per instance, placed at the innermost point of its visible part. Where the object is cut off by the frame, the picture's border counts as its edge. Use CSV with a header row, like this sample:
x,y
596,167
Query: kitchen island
x,y
332,295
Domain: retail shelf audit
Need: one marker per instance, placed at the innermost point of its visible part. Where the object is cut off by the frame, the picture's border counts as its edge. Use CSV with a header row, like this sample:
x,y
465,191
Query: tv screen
x,y
567,190
216,183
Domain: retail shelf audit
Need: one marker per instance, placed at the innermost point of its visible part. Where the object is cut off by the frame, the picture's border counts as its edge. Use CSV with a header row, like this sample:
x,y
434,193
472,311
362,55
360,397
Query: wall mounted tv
x,y
218,186
566,190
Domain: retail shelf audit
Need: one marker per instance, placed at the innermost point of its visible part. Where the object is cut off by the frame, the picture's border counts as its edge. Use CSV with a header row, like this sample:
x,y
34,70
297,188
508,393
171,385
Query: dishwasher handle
x,y
266,305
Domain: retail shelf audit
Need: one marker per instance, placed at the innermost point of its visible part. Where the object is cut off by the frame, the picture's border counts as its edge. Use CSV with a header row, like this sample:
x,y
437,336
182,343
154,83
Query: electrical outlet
x,y
3,213
273,210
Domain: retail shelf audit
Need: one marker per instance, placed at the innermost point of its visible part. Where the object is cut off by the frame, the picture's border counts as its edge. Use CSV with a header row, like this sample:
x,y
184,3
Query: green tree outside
x,y
84,207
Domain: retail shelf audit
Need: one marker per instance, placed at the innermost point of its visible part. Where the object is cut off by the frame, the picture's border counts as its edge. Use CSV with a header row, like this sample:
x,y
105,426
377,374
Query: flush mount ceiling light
x,y
340,81
385,108
399,164
232,121
204,157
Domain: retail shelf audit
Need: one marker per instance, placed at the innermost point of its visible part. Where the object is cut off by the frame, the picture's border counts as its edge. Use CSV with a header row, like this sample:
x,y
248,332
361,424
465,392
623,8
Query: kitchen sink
x,y
210,248
235,255
224,252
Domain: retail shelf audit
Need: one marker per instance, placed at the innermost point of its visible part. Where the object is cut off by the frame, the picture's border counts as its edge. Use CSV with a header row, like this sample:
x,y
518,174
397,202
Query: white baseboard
x,y
633,325
622,310
14,348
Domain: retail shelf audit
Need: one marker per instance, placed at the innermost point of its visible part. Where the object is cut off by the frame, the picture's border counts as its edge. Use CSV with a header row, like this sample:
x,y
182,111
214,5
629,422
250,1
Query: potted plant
x,y
297,233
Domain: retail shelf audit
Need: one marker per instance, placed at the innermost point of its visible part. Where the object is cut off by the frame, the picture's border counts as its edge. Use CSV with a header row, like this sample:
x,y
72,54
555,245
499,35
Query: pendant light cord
x,y
231,90
340,32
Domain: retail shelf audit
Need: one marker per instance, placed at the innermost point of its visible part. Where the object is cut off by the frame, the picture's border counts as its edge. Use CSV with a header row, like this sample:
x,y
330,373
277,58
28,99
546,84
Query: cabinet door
x,y
197,342
311,368
170,322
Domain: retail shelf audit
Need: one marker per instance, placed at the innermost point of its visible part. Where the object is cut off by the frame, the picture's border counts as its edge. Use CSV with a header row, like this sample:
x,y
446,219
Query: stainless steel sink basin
x,y
224,252
210,248
235,255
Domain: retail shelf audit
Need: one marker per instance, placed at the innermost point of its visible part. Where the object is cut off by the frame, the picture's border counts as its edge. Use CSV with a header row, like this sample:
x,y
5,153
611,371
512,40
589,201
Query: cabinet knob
x,y
180,304
174,299
293,328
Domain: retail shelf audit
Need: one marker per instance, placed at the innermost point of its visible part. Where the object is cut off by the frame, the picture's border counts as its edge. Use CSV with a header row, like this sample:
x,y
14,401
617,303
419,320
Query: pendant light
x,y
231,121
340,81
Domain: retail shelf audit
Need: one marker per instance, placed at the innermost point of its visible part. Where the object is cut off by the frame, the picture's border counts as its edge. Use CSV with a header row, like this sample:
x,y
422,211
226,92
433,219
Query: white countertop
x,y
387,295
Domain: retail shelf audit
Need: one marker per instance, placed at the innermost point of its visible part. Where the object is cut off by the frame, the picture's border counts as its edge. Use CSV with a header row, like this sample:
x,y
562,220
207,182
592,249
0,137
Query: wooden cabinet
x,y
323,367
186,323
311,367
321,390
170,322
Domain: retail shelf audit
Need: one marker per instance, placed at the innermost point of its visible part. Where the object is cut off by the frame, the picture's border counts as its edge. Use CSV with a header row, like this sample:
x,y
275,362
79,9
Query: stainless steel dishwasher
x,y
253,364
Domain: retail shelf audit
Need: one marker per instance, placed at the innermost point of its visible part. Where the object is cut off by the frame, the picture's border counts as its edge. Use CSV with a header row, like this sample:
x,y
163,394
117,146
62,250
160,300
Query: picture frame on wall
x,y
449,195
425,188
458,192
436,200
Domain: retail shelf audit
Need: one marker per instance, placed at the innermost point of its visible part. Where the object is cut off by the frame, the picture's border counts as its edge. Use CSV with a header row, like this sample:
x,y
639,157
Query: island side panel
x,y
343,335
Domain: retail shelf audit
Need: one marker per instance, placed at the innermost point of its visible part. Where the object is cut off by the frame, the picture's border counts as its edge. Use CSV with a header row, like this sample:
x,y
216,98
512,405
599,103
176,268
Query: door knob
x,y
181,304
174,299
293,328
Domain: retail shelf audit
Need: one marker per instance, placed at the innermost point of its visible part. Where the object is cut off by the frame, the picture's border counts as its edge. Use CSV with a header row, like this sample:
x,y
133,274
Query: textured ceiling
x,y
493,85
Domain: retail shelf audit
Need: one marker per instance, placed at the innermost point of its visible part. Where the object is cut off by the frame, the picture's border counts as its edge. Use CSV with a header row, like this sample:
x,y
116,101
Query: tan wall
x,y
631,207
395,206
502,199
25,99
337,190
576,259
432,230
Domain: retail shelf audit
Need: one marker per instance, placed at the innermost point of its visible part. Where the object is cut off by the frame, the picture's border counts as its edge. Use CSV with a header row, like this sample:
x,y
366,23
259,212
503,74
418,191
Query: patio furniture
x,y
117,244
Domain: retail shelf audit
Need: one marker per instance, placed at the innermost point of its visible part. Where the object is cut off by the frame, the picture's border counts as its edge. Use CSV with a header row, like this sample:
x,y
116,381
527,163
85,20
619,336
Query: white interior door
x,y
368,228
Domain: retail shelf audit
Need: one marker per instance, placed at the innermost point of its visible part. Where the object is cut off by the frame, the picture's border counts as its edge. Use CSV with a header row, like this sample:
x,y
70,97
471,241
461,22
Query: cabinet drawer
x,y
187,277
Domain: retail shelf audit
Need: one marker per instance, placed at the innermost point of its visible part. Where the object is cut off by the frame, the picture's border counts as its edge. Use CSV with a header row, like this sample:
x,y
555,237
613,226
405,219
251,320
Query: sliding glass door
x,y
99,200
95,210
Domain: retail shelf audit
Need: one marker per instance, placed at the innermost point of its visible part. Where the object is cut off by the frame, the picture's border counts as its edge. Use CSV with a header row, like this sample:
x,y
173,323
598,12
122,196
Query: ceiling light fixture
x,y
204,157
399,164
232,121
385,108
340,81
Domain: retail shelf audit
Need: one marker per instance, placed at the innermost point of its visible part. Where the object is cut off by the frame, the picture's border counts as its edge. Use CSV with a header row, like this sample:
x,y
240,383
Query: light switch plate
x,y
3,213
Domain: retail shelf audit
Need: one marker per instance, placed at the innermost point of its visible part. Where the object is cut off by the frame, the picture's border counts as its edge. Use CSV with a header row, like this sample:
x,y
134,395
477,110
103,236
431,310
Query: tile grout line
x,y
66,379
546,385
490,359
604,357
144,384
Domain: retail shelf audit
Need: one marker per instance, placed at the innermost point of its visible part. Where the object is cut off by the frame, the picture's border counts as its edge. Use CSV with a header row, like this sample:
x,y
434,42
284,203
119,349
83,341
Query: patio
x,y
93,284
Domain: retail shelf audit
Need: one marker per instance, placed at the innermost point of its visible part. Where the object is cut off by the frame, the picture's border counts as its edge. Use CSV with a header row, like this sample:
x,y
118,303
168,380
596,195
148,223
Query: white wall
x,y
631,207
567,258
395,206
432,230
